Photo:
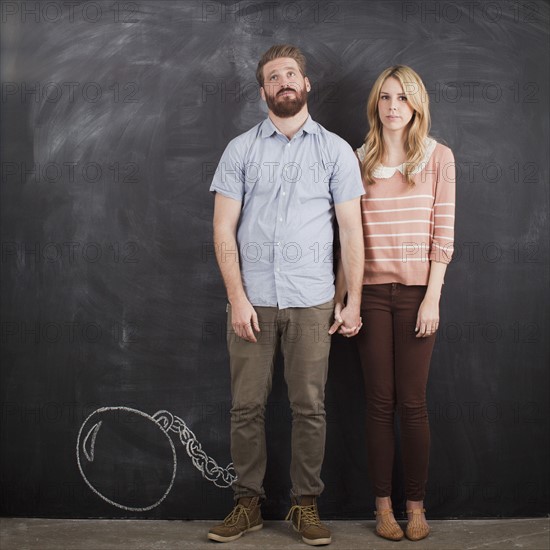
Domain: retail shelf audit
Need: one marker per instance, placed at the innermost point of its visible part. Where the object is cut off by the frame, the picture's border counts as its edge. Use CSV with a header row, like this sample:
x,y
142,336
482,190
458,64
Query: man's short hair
x,y
277,51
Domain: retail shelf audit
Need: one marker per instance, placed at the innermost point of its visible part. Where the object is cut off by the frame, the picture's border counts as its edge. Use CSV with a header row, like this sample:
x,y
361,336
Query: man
x,y
277,188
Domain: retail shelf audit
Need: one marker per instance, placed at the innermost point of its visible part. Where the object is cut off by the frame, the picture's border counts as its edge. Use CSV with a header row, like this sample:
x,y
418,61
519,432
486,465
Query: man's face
x,y
285,89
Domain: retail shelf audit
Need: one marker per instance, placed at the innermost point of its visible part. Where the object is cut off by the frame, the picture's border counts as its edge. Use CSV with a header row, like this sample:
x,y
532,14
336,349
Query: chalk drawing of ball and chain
x,y
122,452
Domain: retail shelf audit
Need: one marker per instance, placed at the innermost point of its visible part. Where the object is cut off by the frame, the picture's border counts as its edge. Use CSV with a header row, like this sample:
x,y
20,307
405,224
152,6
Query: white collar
x,y
386,172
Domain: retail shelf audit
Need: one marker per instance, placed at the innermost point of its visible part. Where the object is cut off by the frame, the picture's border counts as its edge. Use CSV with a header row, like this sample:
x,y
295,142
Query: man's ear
x,y
262,92
308,85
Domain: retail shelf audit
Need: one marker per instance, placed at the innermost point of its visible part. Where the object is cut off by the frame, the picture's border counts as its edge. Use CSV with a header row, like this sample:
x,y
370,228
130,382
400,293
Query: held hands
x,y
427,320
346,320
244,319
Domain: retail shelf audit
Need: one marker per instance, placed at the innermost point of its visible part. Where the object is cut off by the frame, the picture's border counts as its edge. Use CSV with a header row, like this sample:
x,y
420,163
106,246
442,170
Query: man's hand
x,y
337,318
347,321
244,319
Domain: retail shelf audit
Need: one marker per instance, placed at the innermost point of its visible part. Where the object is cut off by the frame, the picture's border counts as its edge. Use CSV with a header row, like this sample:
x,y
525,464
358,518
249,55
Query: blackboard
x,y
114,116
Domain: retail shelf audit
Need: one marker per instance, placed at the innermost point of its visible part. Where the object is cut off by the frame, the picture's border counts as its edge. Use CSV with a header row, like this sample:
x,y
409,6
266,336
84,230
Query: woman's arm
x,y
441,252
427,320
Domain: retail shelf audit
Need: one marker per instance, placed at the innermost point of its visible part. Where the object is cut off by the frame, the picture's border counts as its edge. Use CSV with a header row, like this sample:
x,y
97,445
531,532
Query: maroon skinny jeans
x,y
395,368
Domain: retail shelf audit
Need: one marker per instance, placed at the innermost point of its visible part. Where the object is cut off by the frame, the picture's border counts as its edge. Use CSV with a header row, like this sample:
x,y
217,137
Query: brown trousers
x,y
395,368
302,336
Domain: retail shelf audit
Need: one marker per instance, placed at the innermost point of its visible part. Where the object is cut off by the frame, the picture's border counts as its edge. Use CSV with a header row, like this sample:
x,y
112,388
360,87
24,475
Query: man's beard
x,y
285,107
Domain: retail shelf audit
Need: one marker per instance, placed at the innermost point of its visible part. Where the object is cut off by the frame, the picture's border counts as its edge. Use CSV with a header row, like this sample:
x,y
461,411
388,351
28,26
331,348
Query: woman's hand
x,y
427,320
347,320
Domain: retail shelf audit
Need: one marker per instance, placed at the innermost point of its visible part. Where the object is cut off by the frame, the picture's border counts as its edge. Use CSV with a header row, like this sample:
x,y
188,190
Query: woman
x,y
408,221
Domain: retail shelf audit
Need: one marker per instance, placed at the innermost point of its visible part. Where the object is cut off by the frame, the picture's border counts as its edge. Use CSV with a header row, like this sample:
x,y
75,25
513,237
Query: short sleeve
x,y
229,177
345,182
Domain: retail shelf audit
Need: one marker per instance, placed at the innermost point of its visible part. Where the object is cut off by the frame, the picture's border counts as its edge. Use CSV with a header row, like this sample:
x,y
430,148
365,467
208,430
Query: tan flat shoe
x,y
387,527
416,528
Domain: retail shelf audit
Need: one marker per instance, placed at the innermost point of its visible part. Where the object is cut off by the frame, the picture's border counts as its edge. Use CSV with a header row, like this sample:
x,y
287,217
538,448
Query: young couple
x,y
277,190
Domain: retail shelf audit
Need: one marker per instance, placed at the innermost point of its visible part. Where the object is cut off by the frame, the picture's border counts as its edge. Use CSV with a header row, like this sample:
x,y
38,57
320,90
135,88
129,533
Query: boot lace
x,y
235,515
307,515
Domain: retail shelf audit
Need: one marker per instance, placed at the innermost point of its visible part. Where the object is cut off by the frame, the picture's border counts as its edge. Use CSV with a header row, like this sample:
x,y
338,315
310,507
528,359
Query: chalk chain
x,y
205,464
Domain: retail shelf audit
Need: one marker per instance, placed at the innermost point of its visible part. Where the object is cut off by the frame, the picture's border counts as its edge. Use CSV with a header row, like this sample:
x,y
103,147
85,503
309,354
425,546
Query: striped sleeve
x,y
444,210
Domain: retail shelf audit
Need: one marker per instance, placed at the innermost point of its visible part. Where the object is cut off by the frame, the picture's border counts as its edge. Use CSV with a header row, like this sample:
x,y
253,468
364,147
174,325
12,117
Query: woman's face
x,y
394,109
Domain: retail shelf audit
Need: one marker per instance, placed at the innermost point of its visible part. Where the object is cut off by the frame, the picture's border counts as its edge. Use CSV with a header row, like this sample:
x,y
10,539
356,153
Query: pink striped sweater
x,y
405,228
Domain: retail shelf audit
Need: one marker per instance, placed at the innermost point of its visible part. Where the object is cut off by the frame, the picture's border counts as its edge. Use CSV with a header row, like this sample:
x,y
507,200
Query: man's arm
x,y
348,214
226,217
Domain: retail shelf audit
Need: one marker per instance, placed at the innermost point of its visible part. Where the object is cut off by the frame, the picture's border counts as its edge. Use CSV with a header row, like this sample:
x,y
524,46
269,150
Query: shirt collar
x,y
386,172
310,126
267,128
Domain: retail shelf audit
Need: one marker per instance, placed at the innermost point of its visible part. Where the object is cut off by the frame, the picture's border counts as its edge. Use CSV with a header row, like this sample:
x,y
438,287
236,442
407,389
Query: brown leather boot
x,y
244,518
305,519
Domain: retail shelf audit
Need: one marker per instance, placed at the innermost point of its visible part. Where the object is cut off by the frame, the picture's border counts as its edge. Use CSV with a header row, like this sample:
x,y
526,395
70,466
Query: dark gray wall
x,y
114,116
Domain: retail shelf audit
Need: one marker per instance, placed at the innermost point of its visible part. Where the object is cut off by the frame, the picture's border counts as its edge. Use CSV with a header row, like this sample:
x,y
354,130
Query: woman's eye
x,y
403,98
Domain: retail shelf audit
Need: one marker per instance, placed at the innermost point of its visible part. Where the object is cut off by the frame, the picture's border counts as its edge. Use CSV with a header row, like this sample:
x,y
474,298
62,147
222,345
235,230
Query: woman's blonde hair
x,y
418,129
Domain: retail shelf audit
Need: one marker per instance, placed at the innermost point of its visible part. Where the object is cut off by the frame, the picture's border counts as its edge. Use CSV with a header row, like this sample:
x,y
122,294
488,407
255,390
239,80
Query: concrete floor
x,y
62,534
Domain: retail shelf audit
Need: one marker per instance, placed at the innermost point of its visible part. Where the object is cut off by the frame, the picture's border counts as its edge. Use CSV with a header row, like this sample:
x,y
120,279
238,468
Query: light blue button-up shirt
x,y
288,189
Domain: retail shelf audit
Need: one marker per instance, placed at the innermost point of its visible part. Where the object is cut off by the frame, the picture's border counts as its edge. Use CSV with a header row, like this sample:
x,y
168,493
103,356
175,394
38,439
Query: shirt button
x,y
284,193
277,244
280,219
288,144
278,269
